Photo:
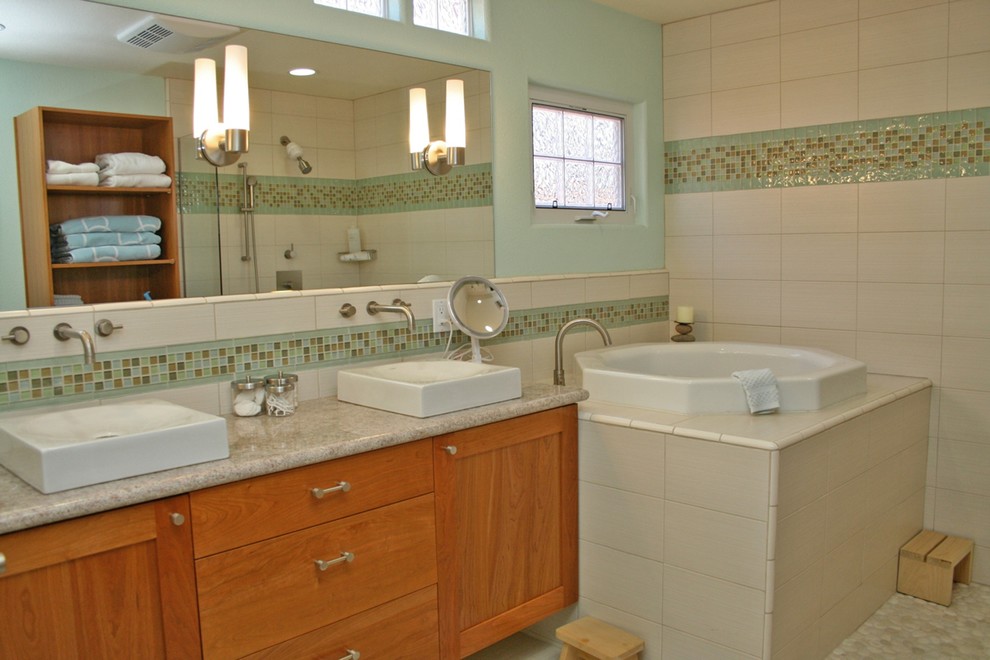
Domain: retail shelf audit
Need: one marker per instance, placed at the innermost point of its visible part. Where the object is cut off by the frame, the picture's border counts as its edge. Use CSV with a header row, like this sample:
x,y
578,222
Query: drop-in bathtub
x,y
697,377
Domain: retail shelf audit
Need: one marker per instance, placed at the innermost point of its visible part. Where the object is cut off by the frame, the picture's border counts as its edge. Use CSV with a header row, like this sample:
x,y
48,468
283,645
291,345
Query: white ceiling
x,y
669,11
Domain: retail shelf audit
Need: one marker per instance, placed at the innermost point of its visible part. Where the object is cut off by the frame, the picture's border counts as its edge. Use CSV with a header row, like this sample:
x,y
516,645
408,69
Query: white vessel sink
x,y
428,387
55,450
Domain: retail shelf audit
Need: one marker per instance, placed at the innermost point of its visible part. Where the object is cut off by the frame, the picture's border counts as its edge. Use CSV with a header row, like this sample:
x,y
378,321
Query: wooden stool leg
x,y
568,652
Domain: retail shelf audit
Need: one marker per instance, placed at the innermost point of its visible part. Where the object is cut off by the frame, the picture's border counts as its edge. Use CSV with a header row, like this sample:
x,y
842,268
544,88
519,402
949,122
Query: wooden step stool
x,y
591,639
931,562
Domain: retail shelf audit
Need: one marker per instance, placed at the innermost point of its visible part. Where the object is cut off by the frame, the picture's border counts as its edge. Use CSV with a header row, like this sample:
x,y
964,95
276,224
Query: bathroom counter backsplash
x,y
320,430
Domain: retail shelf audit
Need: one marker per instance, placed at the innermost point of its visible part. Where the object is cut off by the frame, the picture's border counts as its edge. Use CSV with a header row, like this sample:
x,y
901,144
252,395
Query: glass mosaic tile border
x,y
929,146
67,380
465,186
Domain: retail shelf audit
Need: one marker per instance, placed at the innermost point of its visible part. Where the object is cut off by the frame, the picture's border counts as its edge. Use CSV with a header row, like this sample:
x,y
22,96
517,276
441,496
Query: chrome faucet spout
x,y
558,348
398,307
65,332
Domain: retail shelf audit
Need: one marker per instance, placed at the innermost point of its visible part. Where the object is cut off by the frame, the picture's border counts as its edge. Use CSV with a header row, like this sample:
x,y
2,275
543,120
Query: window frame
x,y
403,11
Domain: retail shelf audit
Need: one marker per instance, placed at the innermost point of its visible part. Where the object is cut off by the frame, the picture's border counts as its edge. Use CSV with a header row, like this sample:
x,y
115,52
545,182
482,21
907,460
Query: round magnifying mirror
x,y
478,309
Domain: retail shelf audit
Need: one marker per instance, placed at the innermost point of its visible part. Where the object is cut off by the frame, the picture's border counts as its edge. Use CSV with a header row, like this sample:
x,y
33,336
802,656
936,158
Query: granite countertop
x,y
320,430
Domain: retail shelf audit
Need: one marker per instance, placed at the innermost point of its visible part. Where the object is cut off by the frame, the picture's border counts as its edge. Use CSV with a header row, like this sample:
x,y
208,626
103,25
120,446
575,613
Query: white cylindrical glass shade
x,y
456,131
236,105
419,121
205,115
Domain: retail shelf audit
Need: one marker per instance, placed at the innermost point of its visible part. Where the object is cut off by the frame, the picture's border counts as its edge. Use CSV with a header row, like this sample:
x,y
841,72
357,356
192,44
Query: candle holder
x,y
683,332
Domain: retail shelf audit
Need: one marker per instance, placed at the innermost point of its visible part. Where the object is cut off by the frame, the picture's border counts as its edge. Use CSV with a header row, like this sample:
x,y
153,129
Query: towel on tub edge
x,y
760,386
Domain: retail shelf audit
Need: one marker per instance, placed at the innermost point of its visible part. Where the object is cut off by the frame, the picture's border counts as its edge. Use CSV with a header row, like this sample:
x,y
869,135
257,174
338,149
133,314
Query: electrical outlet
x,y
441,319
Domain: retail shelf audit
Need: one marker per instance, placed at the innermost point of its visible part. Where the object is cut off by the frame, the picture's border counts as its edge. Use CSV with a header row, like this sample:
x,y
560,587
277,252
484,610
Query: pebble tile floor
x,y
904,627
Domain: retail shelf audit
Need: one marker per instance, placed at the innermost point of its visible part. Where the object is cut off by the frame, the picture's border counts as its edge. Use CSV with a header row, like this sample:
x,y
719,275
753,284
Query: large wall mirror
x,y
268,222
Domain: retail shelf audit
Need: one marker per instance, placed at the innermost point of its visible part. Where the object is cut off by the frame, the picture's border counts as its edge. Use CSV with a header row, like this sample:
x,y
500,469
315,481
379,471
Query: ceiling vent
x,y
175,35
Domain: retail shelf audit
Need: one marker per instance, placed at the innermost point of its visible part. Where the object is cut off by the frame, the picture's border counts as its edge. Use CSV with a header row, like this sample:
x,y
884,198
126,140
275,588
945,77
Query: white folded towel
x,y
760,386
135,180
62,167
129,163
74,179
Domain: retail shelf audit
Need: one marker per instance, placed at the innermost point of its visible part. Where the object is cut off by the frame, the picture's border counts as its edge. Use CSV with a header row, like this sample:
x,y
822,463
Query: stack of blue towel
x,y
106,238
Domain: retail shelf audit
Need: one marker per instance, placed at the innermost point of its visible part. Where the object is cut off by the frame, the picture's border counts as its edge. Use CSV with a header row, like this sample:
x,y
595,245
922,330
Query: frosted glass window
x,y
577,159
371,7
447,15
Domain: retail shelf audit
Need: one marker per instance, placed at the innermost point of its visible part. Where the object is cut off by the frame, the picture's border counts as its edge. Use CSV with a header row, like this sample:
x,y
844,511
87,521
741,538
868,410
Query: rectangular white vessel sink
x,y
428,387
55,450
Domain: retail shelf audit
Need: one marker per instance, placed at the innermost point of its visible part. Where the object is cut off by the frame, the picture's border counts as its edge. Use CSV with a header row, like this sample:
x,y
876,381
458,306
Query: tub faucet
x,y
398,307
558,349
65,332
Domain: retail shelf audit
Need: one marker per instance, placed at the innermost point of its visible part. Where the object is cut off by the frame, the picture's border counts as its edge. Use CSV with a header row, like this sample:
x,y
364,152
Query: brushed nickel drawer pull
x,y
450,449
352,655
177,519
3,564
341,487
344,557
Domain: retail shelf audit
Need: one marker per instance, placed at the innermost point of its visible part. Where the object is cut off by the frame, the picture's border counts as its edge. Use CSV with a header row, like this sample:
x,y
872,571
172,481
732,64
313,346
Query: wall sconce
x,y
218,143
437,156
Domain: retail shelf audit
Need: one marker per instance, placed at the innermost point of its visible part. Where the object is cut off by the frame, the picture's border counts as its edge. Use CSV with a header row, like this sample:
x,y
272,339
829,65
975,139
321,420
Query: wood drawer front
x,y
403,629
243,512
259,595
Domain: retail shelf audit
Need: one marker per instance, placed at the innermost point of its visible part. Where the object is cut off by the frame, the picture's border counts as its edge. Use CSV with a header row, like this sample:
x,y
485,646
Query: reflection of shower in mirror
x,y
295,151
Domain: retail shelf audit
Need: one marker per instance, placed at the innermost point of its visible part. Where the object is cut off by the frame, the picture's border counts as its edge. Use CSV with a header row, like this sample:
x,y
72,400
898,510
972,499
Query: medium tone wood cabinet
x,y
117,584
507,524
78,136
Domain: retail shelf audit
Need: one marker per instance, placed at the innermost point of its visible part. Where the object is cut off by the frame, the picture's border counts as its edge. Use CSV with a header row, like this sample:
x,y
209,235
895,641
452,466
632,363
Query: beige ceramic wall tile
x,y
549,293
753,334
819,257
823,100
967,26
748,302
265,317
898,426
966,257
903,89
848,446
964,466
688,35
965,415
966,203
621,520
41,322
715,610
803,475
965,363
687,74
896,479
693,293
898,526
902,206
837,341
611,287
747,211
806,14
904,256
819,52
963,514
519,295
621,580
968,84
716,476
689,256
687,117
843,571
746,64
913,308
158,326
752,257
819,209
803,646
649,284
796,605
519,354
745,110
900,354
717,544
800,541
620,457
745,24
845,511
677,644
906,36
869,8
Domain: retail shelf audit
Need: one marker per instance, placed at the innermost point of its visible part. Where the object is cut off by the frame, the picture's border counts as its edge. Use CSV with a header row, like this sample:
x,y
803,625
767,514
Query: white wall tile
x,y
688,35
725,478
620,457
845,513
745,24
158,326
819,257
750,302
966,202
898,426
716,544
885,538
806,14
697,293
802,477
966,259
745,110
752,334
912,308
819,209
902,206
902,257
969,86
842,571
649,284
868,8
906,36
819,52
265,317
747,211
966,363
900,354
963,466
611,287
746,64
963,514
822,100
716,610
904,89
689,256
622,520
687,74
550,293
677,644
800,541
688,214
687,117
968,20
621,580
965,415
753,257
842,342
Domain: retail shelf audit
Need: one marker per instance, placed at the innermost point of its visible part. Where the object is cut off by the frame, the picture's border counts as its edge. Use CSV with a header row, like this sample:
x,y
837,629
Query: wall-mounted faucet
x,y
65,332
398,307
558,349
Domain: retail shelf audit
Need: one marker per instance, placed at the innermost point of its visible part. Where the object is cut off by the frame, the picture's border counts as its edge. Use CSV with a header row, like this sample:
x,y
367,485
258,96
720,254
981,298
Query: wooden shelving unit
x,y
77,136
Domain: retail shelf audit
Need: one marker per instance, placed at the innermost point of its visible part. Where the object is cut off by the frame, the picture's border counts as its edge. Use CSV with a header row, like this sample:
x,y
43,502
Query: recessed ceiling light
x,y
302,71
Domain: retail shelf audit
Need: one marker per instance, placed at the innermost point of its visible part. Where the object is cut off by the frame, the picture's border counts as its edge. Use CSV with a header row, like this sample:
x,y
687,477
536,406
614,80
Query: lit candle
x,y
685,315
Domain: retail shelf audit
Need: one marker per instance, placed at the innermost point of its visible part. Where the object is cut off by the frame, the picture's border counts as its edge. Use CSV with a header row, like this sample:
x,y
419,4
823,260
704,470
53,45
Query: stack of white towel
x,y
117,170
106,238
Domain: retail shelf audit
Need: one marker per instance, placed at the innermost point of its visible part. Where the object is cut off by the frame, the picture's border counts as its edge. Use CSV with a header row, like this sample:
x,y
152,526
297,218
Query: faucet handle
x,y
105,327
400,301
18,335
